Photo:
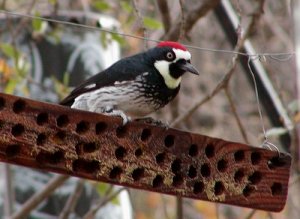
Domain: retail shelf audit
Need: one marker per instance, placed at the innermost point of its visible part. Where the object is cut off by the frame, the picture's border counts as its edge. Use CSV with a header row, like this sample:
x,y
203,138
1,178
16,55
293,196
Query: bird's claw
x,y
119,113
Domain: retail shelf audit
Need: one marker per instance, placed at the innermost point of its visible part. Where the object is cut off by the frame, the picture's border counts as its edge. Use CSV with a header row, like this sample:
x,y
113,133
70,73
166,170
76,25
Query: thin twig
x,y
182,20
9,196
91,213
179,207
72,200
193,15
250,215
140,19
165,14
236,115
38,197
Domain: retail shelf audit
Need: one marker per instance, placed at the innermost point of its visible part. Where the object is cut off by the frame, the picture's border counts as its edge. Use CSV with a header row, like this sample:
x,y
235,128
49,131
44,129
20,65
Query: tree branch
x,y
165,14
38,197
72,200
192,17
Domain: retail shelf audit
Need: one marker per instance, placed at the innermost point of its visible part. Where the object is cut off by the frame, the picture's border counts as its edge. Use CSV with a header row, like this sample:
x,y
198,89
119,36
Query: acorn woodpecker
x,y
137,85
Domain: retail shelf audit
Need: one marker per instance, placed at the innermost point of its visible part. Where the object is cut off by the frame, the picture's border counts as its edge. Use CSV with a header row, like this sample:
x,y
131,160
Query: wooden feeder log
x,y
143,156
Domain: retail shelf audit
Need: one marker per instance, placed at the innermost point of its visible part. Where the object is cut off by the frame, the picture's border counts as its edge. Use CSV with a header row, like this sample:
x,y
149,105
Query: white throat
x,y
163,68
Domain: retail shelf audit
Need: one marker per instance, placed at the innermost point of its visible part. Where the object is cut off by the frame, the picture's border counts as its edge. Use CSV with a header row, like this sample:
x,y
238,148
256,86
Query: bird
x,y
135,86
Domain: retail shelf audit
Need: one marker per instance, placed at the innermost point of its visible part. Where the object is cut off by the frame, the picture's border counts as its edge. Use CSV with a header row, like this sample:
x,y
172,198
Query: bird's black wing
x,y
123,70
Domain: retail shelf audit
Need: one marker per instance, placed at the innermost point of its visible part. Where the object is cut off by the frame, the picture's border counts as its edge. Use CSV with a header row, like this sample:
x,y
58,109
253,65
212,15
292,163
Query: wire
x,y
283,56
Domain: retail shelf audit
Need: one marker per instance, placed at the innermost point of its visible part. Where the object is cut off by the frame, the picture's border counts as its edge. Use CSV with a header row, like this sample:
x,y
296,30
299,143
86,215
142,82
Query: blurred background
x,y
43,59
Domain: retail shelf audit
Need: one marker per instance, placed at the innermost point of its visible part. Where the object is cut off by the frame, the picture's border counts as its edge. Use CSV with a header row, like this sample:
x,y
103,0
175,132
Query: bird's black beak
x,y
188,67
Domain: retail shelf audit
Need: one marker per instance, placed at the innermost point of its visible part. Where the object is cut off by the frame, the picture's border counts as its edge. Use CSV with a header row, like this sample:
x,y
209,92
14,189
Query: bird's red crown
x,y
171,44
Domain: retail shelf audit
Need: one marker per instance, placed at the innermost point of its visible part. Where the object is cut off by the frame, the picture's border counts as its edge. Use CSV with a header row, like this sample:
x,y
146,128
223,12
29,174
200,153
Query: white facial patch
x,y
180,54
163,68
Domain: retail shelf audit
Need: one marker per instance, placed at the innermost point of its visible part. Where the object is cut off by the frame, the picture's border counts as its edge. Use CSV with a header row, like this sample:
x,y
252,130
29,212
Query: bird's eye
x,y
170,56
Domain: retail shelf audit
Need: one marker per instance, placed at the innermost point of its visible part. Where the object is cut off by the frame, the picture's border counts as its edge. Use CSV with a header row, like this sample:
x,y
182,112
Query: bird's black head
x,y
171,60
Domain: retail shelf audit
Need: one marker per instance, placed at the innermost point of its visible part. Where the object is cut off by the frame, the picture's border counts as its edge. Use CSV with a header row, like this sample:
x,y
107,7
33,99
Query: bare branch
x,y
165,14
9,196
91,213
182,20
38,197
179,207
236,115
72,201
192,17
140,19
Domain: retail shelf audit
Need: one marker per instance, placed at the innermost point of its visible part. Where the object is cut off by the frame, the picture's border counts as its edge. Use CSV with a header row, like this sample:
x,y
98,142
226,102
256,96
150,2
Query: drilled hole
x,y
222,165
2,103
198,187
276,162
62,121
193,151
78,149
86,166
82,127
115,173
210,151
121,131
60,137
100,127
41,139
192,172
160,158
239,175
219,188
255,158
177,180
90,147
276,189
12,150
137,174
169,141
50,158
138,152
146,133
205,170
239,156
42,118
255,178
176,166
19,106
17,130
120,153
157,181
248,190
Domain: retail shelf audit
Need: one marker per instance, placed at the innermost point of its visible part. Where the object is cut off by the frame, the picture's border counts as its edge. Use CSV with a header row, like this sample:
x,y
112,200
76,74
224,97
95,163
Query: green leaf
x,y
152,23
101,5
37,23
11,86
8,50
53,2
126,6
118,38
102,188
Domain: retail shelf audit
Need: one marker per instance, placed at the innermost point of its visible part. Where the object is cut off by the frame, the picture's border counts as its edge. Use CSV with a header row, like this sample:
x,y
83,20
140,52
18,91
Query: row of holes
x,y
18,129
137,174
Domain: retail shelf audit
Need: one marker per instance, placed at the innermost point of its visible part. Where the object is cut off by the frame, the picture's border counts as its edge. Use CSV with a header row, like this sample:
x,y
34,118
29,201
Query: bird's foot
x,y
120,113
151,121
